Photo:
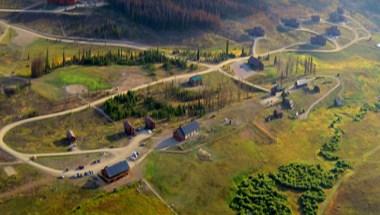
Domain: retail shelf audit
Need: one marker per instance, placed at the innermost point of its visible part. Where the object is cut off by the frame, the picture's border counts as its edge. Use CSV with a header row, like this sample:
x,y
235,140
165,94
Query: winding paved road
x,y
210,68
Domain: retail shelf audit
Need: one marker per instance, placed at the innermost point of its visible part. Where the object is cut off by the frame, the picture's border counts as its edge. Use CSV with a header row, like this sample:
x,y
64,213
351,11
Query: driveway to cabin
x,y
339,83
122,153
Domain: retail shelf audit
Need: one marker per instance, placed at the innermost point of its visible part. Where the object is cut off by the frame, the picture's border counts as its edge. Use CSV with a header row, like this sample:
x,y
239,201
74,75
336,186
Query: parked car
x,y
134,156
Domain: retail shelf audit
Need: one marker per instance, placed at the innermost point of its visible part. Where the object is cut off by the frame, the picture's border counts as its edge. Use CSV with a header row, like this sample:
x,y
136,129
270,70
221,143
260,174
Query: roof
x,y
70,133
148,118
302,82
338,102
254,61
189,128
117,169
196,78
127,124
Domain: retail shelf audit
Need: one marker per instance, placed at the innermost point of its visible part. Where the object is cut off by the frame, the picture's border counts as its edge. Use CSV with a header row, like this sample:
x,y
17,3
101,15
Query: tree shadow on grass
x,y
63,142
282,29
116,137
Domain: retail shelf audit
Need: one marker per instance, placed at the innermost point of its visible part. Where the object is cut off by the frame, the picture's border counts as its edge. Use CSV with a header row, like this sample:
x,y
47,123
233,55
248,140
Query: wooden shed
x,y
129,129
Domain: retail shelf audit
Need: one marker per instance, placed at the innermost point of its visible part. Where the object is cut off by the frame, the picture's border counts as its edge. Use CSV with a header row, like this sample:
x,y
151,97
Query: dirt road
x,y
210,68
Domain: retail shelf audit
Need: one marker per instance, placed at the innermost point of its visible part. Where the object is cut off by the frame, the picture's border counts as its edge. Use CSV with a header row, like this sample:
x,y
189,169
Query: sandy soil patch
x,y
76,89
23,39
130,80
242,70
10,171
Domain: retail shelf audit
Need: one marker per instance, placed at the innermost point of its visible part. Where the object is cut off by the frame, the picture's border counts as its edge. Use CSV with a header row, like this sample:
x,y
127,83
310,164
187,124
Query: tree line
x,y
44,65
181,14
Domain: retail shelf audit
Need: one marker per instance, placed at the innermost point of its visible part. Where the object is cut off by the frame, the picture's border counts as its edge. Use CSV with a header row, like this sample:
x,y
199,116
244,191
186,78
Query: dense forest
x,y
181,14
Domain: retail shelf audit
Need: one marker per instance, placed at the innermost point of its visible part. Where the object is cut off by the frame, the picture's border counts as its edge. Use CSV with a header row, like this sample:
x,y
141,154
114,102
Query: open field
x,y
54,85
71,161
359,193
93,131
65,198
24,175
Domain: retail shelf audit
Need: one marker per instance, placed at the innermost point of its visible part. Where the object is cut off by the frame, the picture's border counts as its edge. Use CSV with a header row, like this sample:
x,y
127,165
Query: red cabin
x,y
63,2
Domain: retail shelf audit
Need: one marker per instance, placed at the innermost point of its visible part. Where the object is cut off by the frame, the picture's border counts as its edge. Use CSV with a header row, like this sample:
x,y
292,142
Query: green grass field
x,y
65,198
24,174
52,86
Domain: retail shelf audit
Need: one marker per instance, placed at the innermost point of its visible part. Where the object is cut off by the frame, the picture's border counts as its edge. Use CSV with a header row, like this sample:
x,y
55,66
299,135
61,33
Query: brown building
x,y
70,136
113,173
129,129
185,132
150,123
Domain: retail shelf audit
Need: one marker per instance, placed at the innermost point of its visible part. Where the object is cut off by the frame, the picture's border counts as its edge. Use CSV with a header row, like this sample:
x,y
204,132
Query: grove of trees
x,y
259,195
181,14
87,57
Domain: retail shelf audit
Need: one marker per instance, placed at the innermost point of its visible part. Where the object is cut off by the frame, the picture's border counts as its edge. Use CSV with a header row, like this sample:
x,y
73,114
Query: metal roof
x,y
117,169
189,128
302,82
196,78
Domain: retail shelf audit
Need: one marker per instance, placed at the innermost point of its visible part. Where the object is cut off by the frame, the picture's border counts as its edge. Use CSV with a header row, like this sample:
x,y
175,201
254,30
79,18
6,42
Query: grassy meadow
x,y
70,161
93,132
66,198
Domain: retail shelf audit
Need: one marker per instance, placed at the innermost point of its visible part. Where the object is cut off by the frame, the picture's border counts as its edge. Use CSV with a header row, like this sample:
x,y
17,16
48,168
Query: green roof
x,y
196,78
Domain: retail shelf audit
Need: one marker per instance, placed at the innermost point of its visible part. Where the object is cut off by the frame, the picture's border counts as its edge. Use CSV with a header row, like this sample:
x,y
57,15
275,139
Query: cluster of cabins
x,y
130,130
113,173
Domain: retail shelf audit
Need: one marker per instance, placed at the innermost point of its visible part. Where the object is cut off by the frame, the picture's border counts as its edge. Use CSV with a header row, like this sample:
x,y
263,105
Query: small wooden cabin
x,y
129,129
150,123
70,136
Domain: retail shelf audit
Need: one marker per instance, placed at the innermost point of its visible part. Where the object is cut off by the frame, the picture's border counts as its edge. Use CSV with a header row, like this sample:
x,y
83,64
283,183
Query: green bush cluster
x,y
362,112
309,201
259,195
328,149
339,168
303,177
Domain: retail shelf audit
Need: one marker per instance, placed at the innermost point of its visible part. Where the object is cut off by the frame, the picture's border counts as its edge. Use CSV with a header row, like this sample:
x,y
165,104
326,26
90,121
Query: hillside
x,y
174,14
200,23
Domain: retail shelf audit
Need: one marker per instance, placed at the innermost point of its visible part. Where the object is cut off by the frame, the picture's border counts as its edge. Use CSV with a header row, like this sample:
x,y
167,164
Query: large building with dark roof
x,y
112,173
255,64
187,131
